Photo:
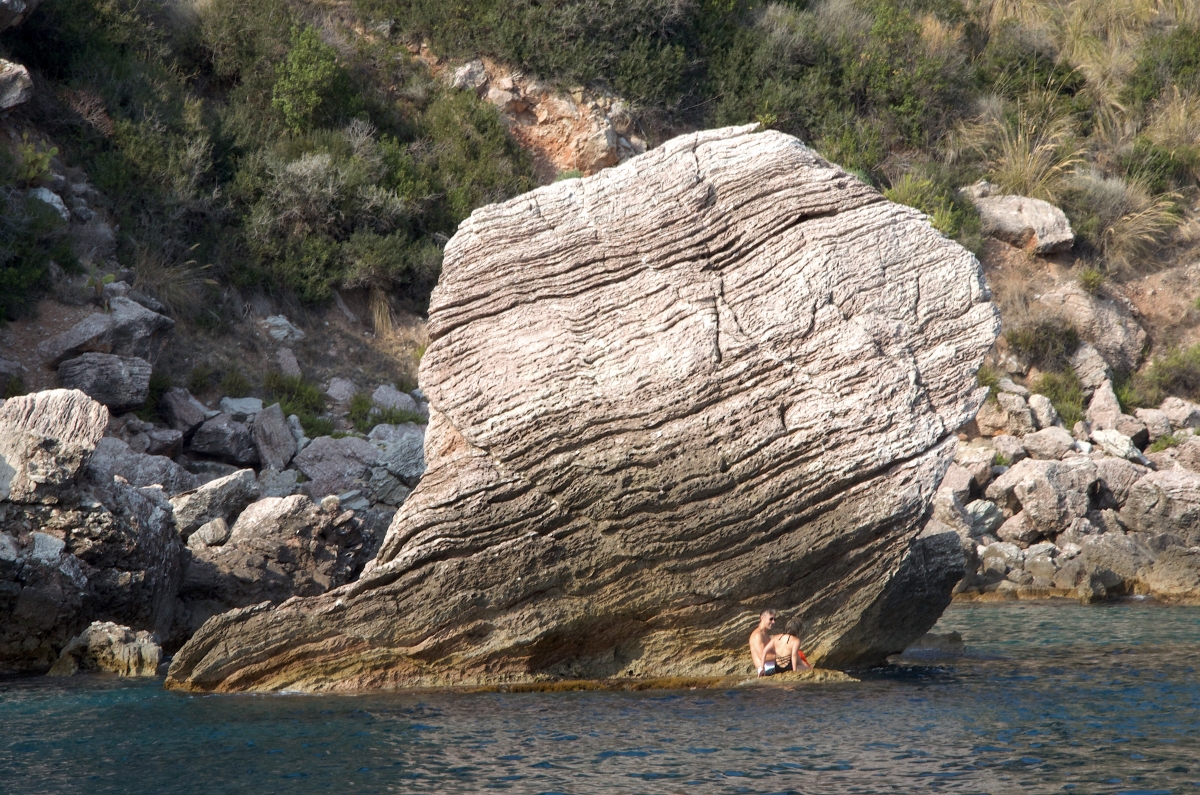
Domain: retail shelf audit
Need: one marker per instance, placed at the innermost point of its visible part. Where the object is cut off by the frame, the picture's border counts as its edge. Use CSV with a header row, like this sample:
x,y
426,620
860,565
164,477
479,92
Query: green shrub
x,y
1176,373
33,161
235,384
1168,59
1065,393
32,235
200,379
301,398
1091,279
305,89
13,386
1163,442
990,377
364,416
1047,343
946,212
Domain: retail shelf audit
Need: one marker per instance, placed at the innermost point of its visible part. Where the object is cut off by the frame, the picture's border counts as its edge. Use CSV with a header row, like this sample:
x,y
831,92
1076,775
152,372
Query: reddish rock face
x,y
721,377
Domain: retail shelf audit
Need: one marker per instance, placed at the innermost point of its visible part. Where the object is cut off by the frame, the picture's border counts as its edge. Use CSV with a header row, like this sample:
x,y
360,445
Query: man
x,y
760,639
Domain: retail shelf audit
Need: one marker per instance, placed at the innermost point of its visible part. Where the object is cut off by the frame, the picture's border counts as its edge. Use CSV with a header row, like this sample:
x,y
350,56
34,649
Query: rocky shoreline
x,y
1090,513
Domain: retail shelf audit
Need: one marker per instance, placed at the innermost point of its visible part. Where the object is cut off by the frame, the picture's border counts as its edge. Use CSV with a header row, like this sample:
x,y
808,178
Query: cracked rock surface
x,y
721,377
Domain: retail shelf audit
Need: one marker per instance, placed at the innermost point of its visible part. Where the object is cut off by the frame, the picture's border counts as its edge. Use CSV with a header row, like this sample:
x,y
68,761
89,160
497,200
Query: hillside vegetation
x,y
300,148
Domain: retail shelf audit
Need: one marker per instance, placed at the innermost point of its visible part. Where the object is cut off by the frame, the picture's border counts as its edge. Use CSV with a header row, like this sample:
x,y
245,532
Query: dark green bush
x,y
301,398
1047,343
32,235
235,384
159,383
1175,373
308,82
1168,59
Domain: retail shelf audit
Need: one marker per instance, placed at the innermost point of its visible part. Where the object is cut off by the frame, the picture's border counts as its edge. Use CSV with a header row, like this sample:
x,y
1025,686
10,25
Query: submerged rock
x,y
723,376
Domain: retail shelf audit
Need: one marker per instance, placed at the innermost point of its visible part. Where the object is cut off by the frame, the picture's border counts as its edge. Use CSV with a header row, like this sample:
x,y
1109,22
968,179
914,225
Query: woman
x,y
786,647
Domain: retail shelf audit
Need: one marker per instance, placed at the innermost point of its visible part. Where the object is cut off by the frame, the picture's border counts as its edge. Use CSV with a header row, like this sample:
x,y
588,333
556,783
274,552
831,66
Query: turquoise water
x,y
1051,698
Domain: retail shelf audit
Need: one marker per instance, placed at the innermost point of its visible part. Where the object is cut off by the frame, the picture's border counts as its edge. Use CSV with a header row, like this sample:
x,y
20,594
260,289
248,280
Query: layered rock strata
x,y
721,377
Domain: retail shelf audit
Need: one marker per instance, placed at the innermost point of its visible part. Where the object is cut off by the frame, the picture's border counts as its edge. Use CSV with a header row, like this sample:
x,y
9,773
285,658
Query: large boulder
x,y
332,466
120,382
765,367
1051,494
1023,222
223,498
1165,502
1107,324
109,648
1174,576
128,329
113,458
277,548
226,439
45,440
74,549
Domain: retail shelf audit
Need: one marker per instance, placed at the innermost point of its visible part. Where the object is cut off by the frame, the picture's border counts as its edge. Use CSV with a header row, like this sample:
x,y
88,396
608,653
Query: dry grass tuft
x,y
1029,152
1129,221
177,284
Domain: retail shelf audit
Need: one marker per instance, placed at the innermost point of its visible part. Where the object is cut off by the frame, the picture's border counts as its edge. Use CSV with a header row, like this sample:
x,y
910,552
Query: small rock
x,y
16,87
1026,223
279,328
1118,444
272,483
273,438
164,442
47,196
471,75
1019,530
353,501
985,518
210,534
287,363
1090,367
1007,385
113,458
297,430
341,390
977,458
1012,555
333,465
1044,413
403,450
1050,443
47,548
388,397
384,487
1156,422
241,409
1181,413
182,411
1009,447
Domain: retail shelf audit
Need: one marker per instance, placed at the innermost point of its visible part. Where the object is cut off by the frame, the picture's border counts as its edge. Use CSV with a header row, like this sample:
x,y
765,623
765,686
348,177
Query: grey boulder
x,y
120,382
1026,223
223,498
334,465
273,438
182,411
225,439
128,329
113,459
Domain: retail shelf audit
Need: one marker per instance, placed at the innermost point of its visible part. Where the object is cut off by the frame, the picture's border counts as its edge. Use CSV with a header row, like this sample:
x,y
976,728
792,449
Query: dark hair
x,y
794,626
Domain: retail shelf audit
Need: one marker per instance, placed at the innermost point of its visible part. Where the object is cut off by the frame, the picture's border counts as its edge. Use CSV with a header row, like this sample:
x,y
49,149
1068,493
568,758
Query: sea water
x,y
1049,698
